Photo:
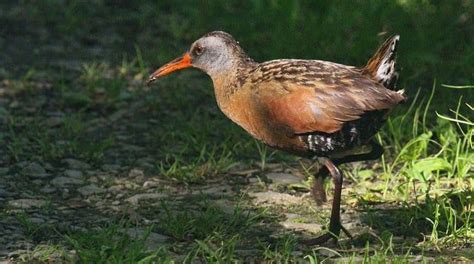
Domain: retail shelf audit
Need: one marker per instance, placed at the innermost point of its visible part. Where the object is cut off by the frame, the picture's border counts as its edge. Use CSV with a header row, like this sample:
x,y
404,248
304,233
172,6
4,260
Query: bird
x,y
314,109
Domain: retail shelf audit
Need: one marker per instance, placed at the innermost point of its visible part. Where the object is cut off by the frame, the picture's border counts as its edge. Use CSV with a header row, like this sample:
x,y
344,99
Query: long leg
x,y
335,225
335,221
317,190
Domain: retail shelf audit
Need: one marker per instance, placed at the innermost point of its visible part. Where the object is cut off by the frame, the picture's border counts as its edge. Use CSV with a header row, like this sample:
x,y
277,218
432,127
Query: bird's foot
x,y
333,233
320,239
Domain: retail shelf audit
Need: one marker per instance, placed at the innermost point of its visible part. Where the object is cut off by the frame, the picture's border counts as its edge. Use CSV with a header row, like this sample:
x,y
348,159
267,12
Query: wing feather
x,y
325,103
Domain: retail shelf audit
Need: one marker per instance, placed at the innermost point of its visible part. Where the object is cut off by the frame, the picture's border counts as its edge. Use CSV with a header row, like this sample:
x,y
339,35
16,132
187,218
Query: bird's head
x,y
215,53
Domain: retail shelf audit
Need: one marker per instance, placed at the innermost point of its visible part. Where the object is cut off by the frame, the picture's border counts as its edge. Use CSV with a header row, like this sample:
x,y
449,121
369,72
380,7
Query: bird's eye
x,y
198,50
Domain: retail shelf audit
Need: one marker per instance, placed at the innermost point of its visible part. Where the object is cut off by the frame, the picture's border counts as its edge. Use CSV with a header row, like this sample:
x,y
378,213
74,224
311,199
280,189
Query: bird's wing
x,y
323,103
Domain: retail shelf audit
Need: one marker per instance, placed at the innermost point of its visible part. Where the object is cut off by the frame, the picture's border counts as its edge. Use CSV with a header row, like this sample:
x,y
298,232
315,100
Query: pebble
x,y
26,203
136,173
17,253
110,167
48,189
48,166
151,184
76,164
145,196
254,180
327,252
90,189
310,227
36,220
64,181
34,170
115,188
283,178
73,173
351,259
271,197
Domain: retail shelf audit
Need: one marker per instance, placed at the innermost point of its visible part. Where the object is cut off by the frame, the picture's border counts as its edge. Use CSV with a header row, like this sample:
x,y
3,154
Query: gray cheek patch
x,y
217,57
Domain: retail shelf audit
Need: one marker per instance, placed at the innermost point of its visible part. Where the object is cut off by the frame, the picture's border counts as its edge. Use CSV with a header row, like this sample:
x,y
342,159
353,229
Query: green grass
x,y
34,231
70,139
281,252
214,249
207,219
72,74
207,165
111,245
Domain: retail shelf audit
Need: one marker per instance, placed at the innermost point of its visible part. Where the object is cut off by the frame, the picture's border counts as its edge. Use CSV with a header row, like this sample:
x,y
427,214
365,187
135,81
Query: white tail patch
x,y
381,66
386,69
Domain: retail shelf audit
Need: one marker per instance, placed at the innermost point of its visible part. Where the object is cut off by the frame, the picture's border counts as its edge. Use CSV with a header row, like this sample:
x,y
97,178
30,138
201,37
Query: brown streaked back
x,y
312,96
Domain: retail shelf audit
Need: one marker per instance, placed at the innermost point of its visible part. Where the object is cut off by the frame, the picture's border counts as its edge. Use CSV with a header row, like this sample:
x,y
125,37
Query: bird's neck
x,y
229,81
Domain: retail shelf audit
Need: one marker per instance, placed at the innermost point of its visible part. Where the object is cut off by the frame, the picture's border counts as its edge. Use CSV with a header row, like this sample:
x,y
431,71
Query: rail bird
x,y
311,108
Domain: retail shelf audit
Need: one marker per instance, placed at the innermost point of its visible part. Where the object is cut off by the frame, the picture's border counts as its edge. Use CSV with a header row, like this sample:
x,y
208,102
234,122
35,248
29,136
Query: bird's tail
x,y
381,67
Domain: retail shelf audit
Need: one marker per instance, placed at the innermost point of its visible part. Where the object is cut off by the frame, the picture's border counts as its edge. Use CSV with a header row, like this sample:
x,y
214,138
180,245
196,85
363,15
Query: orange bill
x,y
174,65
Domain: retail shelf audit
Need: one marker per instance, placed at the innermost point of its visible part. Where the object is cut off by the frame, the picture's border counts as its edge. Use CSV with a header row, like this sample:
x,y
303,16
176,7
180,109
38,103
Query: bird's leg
x,y
335,222
318,192
335,225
